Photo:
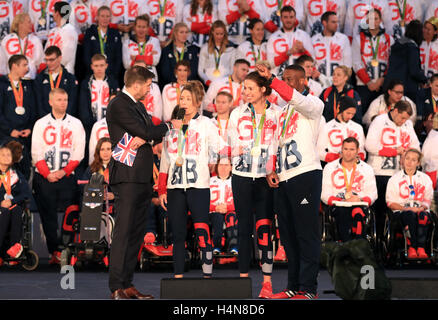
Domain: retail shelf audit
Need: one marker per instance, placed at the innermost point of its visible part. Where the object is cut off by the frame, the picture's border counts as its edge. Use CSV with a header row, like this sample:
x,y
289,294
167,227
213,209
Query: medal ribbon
x,y
258,130
105,174
162,8
258,53
5,179
286,123
349,184
58,80
18,94
44,8
434,104
178,92
220,126
335,107
23,52
179,56
102,42
239,92
182,142
217,58
279,5
402,14
141,48
375,49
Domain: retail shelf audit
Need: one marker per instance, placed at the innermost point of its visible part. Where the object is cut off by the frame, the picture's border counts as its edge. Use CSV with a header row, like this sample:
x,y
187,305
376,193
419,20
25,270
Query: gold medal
x,y
20,110
8,196
179,161
161,19
216,73
374,63
243,18
402,23
281,142
42,22
278,12
348,195
256,151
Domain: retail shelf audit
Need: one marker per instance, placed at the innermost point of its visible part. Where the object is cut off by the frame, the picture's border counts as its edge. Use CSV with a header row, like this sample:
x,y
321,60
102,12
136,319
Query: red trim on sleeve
x,y
432,176
271,26
232,16
147,59
212,207
333,198
156,120
329,157
230,207
363,76
162,183
81,38
388,152
285,92
252,14
70,167
270,164
200,27
362,156
41,67
43,169
281,58
152,32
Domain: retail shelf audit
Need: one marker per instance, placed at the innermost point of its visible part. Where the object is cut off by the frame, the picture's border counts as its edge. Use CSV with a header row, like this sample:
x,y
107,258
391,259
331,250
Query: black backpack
x,y
344,262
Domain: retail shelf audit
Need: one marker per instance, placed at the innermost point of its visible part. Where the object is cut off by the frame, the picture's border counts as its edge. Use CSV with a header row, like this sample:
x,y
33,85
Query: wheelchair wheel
x,y
65,257
144,263
31,262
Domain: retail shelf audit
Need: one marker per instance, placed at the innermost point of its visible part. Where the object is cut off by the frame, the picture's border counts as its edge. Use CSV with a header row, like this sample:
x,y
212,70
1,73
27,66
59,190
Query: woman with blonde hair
x,y
21,40
217,55
177,49
184,178
331,96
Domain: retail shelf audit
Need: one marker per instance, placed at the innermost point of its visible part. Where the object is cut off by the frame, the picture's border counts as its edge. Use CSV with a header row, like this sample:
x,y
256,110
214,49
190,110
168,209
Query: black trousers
x,y
417,223
51,197
254,196
230,232
131,202
197,201
11,220
380,204
298,221
349,222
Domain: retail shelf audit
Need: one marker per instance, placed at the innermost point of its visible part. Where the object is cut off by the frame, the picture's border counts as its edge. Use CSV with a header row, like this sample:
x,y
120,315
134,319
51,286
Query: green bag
x,y
344,262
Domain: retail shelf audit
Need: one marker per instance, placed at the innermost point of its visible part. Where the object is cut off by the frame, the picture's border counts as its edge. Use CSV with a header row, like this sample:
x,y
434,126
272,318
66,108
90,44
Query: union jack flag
x,y
123,153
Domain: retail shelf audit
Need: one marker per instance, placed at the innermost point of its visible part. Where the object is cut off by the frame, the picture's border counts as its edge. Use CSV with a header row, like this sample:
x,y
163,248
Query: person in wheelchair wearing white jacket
x,y
349,185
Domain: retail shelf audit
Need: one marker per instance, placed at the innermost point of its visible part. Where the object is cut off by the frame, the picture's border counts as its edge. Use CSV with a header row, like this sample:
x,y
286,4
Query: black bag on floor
x,y
344,262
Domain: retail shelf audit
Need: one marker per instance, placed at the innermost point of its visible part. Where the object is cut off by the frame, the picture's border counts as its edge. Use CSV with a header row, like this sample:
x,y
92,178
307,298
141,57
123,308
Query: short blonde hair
x,y
19,18
347,71
418,152
55,91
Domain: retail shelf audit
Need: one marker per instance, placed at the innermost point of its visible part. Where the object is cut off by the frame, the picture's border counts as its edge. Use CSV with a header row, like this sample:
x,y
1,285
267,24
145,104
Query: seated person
x,y
349,180
222,208
13,190
409,194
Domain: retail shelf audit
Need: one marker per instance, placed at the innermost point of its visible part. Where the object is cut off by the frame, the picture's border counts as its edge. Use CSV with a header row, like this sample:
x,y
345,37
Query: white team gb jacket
x,y
334,184
200,150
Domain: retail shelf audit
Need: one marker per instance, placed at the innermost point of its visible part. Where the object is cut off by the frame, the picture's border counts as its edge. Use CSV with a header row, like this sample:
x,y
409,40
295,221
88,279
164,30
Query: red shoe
x,y
266,291
149,238
15,251
286,294
12,263
421,253
56,258
412,253
302,295
280,255
106,261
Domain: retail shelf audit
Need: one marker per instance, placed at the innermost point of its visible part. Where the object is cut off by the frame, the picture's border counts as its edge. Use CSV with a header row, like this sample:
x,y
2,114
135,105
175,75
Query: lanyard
x,y
182,141
258,130
5,179
105,174
141,48
58,80
23,52
43,8
18,94
239,92
217,58
286,123
178,92
102,41
220,126
349,184
375,49
402,14
335,107
179,56
433,103
162,8
258,53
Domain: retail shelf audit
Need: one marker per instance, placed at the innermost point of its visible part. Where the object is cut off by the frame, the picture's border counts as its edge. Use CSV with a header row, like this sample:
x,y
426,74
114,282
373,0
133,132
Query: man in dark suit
x,y
131,185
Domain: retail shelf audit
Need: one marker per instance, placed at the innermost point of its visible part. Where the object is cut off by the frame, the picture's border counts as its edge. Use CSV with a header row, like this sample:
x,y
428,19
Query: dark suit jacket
x,y
124,115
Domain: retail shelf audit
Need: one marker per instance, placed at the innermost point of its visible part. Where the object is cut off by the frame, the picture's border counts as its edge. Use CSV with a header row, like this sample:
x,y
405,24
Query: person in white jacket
x,y
84,14
21,40
254,48
64,36
409,195
429,47
172,91
58,146
386,102
232,84
297,176
401,13
199,15
335,131
272,13
9,9
430,152
288,43
164,14
349,185
141,46
184,178
431,9
389,136
315,9
332,48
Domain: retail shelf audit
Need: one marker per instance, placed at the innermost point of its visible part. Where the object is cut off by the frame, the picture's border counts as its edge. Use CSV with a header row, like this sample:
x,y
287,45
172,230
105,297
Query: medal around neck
x,y
20,110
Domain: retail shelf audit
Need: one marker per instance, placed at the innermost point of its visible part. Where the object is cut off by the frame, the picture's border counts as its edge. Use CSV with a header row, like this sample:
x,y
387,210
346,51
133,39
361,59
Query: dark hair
x,y
287,9
15,59
174,112
351,140
98,57
53,50
222,156
225,94
376,10
242,61
253,22
137,74
185,63
326,15
194,7
433,77
403,106
260,81
414,31
97,163
302,59
143,17
297,68
346,102
62,7
391,86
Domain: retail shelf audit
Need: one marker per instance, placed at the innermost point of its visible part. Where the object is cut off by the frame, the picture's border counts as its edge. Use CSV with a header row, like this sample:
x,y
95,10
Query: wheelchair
x,y
329,227
28,259
394,244
89,233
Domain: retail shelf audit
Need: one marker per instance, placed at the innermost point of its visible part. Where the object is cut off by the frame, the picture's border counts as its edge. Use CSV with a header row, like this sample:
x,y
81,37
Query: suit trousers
x,y
131,203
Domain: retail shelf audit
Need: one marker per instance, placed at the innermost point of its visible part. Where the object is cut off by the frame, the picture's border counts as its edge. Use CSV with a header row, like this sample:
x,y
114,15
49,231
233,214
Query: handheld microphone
x,y
181,113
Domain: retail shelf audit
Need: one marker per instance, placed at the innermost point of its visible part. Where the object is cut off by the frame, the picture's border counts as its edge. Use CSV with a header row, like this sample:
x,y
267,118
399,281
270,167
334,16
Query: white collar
x,y
128,94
